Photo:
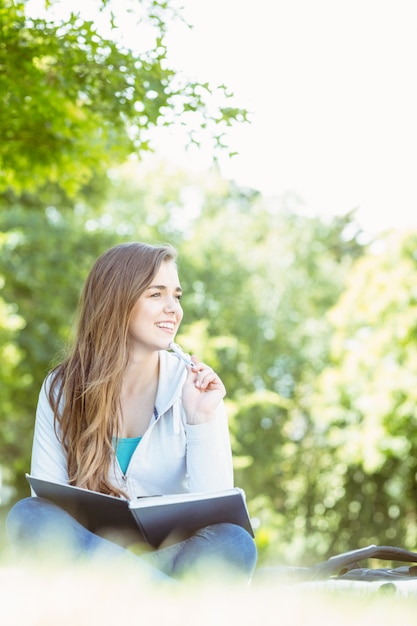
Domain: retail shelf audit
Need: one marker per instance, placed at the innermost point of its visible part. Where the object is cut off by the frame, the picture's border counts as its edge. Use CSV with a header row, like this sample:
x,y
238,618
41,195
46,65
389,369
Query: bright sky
x,y
332,89
332,86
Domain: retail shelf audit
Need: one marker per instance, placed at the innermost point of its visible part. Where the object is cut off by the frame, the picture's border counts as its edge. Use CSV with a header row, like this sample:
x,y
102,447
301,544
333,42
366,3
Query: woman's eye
x,y
155,295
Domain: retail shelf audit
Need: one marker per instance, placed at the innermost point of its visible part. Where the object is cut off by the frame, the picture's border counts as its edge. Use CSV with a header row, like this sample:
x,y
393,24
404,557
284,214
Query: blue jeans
x,y
36,524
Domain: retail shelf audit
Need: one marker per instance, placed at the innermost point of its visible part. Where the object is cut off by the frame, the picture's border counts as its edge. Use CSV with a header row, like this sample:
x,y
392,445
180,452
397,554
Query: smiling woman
x,y
123,416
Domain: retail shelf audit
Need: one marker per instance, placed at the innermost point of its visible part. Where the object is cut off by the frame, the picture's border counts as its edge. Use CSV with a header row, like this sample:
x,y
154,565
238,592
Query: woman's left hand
x,y
202,393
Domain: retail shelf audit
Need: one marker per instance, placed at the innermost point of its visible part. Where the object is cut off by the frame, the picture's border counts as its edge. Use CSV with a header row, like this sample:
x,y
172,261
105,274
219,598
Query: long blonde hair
x,y
85,387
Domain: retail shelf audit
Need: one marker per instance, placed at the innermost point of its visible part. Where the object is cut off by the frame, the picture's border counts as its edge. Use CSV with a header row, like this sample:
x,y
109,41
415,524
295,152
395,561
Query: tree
x,y
275,273
365,403
73,102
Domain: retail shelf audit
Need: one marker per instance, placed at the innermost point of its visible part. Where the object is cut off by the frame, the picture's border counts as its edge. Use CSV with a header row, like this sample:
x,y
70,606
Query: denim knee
x,y
34,521
17,519
235,545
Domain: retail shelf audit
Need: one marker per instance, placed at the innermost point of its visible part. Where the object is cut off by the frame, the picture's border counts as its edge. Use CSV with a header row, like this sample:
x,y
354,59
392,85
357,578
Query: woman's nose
x,y
172,305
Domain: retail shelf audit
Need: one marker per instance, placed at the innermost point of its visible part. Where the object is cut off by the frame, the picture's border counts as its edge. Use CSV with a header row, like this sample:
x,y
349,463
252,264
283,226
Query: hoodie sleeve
x,y
48,455
209,455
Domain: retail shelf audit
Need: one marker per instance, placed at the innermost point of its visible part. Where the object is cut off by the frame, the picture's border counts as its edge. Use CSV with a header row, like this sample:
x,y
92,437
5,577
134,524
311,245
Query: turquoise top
x,y
125,447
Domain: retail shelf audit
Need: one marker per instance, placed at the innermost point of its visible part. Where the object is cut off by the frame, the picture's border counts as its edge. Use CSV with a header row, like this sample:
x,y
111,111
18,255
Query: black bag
x,y
346,566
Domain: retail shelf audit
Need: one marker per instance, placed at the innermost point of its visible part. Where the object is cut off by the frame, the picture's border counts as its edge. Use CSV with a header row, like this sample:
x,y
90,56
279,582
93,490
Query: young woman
x,y
123,416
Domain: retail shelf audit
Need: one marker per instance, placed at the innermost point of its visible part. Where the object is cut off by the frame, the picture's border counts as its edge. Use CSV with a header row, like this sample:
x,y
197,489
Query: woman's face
x,y
157,314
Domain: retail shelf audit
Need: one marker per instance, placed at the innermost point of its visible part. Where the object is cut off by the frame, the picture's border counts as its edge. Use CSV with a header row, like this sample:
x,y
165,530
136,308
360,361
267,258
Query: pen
x,y
185,357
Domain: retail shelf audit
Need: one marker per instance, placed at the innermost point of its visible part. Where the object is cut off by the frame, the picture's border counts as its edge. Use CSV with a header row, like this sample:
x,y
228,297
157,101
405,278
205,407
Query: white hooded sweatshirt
x,y
172,456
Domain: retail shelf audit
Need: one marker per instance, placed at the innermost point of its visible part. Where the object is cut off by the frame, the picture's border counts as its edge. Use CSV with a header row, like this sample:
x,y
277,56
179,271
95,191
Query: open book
x,y
149,519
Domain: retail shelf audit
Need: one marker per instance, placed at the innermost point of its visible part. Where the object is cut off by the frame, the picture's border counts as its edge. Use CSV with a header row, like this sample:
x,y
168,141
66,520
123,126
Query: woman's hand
x,y
202,393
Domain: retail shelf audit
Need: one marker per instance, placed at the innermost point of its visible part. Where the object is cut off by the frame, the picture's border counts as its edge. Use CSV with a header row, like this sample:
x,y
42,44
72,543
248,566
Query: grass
x,y
45,594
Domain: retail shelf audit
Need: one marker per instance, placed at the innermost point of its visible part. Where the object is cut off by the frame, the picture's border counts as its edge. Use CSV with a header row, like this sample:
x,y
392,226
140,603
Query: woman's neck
x,y
139,388
141,372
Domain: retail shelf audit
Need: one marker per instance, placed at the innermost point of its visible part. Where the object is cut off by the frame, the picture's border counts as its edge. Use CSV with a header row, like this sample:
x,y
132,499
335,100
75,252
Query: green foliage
x,y
73,102
267,275
263,441
365,406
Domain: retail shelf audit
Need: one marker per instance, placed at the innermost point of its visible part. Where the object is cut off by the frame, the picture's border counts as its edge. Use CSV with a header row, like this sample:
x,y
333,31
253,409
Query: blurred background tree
x,y
311,327
365,404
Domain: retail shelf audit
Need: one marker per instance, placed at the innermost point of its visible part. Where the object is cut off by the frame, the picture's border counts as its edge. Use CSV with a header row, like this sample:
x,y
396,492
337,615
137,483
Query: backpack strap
x,y
335,564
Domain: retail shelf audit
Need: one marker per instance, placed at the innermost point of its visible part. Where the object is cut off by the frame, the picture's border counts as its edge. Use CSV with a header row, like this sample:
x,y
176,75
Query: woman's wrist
x,y
200,417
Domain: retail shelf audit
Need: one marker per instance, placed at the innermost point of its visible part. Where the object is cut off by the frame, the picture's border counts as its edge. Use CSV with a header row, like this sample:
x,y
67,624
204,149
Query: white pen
x,y
185,357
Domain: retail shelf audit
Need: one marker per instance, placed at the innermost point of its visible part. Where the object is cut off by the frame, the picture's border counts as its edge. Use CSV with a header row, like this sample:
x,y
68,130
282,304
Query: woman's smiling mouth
x,y
167,325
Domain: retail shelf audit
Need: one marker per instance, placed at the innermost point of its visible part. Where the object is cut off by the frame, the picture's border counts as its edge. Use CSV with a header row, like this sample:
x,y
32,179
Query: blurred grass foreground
x,y
44,594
